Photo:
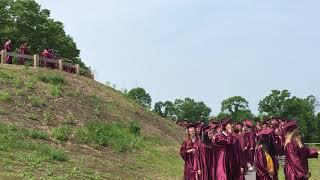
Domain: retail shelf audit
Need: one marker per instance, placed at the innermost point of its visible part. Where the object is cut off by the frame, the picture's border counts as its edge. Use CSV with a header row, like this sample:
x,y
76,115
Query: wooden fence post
x,y
3,56
77,69
36,60
60,65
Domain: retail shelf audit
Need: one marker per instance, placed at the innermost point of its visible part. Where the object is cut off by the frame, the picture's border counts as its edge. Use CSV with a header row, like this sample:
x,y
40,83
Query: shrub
x,y
61,133
35,134
54,79
135,128
55,90
58,155
5,96
115,135
36,101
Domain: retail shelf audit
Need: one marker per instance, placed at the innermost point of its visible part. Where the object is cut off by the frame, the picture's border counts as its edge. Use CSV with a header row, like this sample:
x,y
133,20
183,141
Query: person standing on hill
x,y
187,152
9,48
23,50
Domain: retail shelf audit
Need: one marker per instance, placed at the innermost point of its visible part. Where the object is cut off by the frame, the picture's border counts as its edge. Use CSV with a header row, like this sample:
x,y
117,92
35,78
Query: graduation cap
x,y
206,129
213,124
265,132
290,126
191,126
248,123
225,122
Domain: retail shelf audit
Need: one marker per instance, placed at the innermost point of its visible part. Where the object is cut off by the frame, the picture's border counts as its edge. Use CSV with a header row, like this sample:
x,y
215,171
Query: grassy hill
x,y
55,125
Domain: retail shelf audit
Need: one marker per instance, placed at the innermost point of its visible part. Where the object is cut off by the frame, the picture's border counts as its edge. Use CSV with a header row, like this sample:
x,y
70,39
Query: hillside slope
x,y
59,125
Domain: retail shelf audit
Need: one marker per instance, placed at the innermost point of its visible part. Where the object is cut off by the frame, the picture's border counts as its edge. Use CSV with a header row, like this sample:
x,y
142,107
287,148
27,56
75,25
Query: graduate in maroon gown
x,y
297,154
265,166
238,133
228,156
23,50
9,48
187,152
249,144
203,157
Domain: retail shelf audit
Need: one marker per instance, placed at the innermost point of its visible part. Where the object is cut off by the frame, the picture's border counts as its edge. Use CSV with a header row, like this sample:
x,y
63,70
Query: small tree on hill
x,y
140,96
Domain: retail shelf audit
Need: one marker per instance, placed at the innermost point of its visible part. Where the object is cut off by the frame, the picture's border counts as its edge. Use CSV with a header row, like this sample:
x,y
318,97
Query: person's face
x,y
198,130
210,134
229,128
264,126
192,132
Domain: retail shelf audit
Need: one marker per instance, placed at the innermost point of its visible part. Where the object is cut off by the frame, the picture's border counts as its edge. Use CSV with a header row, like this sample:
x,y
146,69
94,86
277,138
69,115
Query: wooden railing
x,y
40,61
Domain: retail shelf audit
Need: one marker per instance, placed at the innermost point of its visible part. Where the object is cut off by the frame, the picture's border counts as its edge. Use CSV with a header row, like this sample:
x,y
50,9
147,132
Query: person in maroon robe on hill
x,y
187,152
9,48
297,154
23,50
265,166
203,157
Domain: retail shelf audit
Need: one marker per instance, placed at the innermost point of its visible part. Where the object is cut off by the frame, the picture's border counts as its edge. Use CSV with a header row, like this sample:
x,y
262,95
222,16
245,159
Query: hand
x,y
199,172
308,176
242,170
245,148
271,173
191,151
251,148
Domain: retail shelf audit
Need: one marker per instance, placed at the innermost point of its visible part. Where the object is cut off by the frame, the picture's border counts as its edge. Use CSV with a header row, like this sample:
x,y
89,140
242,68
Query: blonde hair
x,y
293,135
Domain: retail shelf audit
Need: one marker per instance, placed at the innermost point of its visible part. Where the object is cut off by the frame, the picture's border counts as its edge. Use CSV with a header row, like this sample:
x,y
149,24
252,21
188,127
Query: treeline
x,y
24,20
276,104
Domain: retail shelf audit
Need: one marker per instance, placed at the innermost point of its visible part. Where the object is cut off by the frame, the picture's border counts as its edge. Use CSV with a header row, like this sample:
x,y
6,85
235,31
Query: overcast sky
x,y
205,49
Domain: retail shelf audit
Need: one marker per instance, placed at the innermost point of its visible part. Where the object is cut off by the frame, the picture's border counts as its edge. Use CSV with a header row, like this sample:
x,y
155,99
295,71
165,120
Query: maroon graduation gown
x,y
261,165
222,169
296,164
201,161
189,173
8,47
23,50
243,163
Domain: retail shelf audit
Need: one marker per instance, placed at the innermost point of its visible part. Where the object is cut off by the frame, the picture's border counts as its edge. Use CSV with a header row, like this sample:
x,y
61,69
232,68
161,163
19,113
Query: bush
x,y
115,135
55,90
58,155
61,133
36,101
135,128
54,79
5,96
35,134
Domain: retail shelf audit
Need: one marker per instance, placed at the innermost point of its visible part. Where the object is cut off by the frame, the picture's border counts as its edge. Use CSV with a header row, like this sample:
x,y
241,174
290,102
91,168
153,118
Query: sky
x,y
208,50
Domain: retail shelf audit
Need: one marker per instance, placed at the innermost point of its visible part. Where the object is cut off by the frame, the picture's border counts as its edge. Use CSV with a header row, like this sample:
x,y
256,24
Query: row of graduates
x,y
222,151
48,53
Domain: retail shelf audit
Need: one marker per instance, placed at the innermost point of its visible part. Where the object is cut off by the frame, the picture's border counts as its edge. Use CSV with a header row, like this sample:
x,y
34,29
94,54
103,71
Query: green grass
x,y
54,79
115,135
36,101
14,139
5,96
61,133
314,167
35,134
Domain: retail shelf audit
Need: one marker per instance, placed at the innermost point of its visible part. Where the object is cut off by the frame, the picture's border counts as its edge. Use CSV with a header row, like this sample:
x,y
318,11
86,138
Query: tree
x,y
165,109
275,103
140,96
191,111
235,107
23,20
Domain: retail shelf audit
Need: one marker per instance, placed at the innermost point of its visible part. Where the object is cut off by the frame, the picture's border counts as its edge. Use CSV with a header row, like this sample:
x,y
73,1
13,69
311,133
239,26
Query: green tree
x,y
190,110
275,103
165,109
235,107
140,96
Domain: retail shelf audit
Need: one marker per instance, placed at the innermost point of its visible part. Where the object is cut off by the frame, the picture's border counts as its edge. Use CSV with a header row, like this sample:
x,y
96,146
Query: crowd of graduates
x,y
48,53
226,151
